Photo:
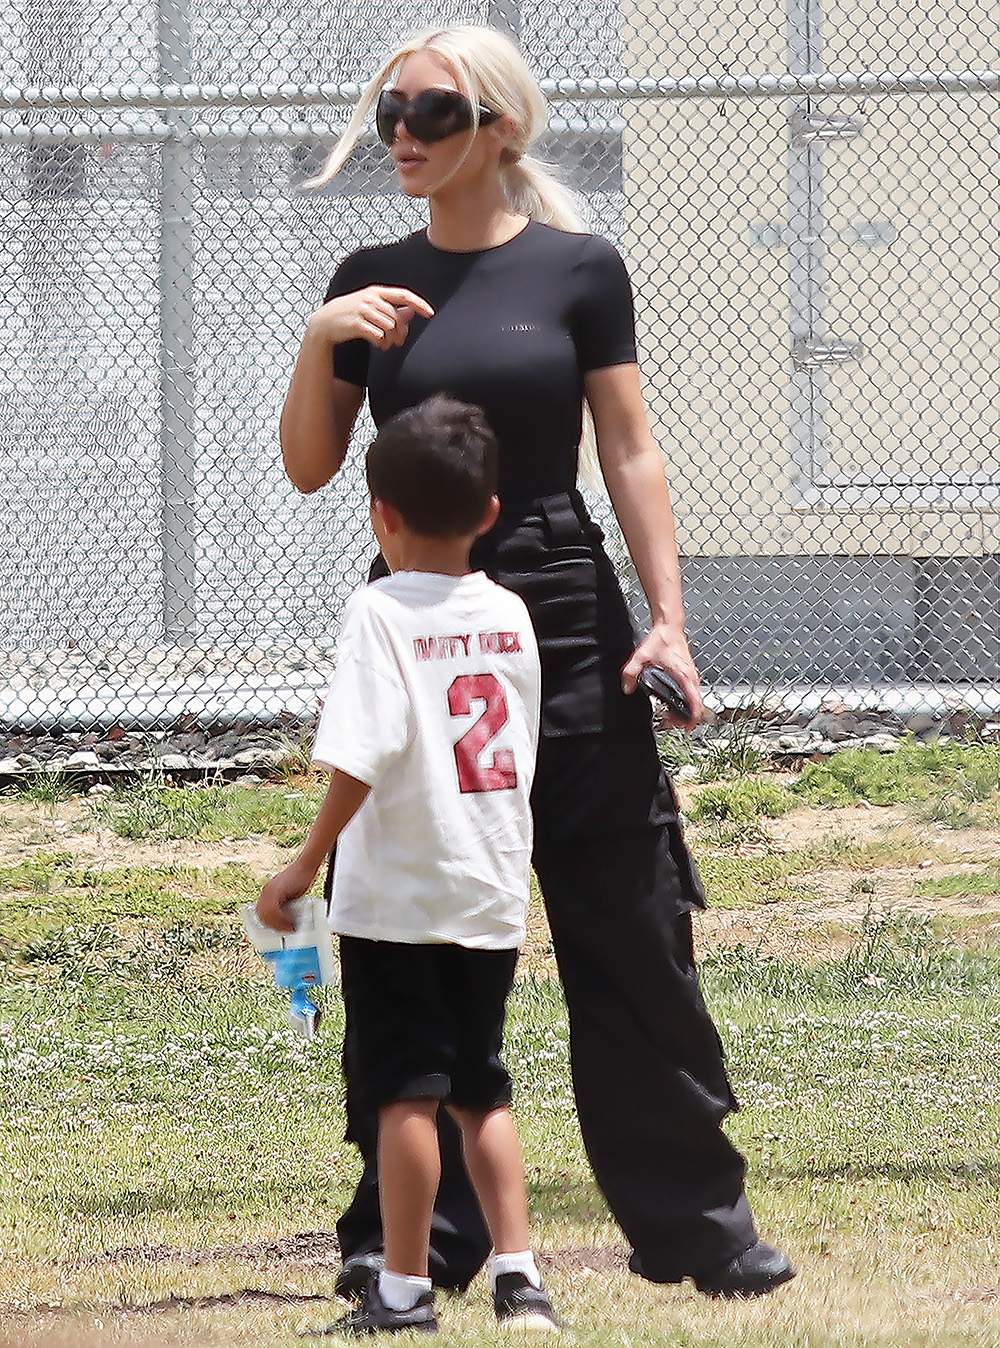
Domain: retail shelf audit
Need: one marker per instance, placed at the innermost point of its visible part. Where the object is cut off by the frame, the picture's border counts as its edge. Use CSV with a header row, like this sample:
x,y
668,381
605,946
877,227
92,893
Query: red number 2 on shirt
x,y
499,773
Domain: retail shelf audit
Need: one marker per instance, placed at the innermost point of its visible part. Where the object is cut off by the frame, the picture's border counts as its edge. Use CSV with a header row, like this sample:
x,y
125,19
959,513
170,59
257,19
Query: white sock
x,y
401,1291
522,1262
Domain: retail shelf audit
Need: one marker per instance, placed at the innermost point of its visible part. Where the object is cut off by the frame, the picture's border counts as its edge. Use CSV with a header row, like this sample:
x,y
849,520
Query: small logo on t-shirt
x,y
520,327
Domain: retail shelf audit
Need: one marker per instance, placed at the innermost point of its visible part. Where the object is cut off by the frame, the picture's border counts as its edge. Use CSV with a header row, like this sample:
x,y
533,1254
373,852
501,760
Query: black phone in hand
x,y
666,689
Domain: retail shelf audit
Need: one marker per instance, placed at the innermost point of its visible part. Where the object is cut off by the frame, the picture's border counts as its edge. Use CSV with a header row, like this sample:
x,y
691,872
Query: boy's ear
x,y
490,517
391,519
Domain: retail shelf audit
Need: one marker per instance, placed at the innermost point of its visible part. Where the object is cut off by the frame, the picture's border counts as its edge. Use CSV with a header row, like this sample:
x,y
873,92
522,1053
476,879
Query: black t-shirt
x,y
515,329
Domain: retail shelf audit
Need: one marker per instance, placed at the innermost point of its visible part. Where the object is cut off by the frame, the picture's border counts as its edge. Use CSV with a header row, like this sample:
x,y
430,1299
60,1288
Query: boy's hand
x,y
289,884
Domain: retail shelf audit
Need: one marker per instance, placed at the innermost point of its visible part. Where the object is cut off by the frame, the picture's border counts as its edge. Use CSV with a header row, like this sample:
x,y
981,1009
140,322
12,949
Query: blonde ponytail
x,y
532,189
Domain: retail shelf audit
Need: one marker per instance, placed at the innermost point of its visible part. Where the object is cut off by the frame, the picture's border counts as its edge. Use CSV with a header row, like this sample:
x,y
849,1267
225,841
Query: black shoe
x,y
753,1273
373,1316
357,1275
519,1304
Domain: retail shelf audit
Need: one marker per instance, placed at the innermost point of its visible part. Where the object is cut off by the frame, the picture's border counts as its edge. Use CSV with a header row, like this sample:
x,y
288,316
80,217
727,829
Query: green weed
x,y
986,881
47,788
747,882
38,874
951,778
733,754
297,761
71,947
898,952
52,893
741,801
675,750
154,813
81,952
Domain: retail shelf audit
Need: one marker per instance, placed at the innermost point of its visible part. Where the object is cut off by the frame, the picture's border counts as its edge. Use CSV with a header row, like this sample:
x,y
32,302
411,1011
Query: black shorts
x,y
427,1021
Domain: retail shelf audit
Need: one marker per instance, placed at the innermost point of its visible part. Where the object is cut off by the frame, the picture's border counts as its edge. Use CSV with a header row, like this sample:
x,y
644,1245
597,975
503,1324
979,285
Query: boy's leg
x,y
409,1169
401,1033
460,1241
493,1157
494,1161
477,983
400,1296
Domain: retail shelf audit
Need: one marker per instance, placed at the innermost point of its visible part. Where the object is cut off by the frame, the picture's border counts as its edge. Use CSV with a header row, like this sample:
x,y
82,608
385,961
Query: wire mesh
x,y
805,196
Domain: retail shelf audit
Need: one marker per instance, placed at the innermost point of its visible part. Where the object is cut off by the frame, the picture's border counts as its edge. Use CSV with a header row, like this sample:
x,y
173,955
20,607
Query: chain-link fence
x,y
806,197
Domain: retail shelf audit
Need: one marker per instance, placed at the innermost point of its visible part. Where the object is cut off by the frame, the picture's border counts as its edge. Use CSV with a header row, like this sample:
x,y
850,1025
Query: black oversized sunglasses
x,y
433,114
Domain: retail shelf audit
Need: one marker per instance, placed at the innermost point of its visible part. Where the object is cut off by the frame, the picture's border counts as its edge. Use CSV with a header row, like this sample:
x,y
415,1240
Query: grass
x,y
164,1135
734,810
746,799
746,882
731,753
48,788
50,895
195,1121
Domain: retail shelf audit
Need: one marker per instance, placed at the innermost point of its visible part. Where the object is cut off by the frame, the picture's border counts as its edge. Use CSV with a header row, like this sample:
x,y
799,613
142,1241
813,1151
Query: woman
x,y
504,302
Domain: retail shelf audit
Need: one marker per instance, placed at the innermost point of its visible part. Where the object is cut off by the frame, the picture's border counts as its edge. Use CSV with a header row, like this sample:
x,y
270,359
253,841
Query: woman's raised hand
x,y
380,315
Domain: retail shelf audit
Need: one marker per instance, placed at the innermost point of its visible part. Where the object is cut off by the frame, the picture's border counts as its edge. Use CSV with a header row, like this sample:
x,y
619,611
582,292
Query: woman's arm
x,y
318,416
633,470
320,410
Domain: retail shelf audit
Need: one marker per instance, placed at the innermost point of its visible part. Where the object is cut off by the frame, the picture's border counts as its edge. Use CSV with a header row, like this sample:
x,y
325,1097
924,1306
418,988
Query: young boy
x,y
429,732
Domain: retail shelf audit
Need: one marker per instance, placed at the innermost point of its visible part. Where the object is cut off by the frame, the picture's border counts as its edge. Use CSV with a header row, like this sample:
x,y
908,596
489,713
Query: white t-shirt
x,y
434,704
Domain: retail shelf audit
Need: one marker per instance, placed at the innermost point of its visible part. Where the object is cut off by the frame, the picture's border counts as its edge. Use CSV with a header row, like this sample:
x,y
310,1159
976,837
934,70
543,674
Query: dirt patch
x,y
837,894
861,824
246,1296
603,1259
65,827
312,1248
824,918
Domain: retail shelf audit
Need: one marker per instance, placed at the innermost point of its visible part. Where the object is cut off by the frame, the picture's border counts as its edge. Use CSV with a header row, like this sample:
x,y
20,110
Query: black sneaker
x,y
357,1275
373,1316
519,1304
753,1273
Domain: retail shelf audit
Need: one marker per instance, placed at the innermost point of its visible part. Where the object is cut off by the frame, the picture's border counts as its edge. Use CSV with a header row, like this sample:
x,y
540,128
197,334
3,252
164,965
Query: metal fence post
x,y
177,381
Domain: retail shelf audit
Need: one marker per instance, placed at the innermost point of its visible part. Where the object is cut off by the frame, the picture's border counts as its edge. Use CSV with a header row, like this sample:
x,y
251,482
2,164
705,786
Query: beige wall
x,y
921,407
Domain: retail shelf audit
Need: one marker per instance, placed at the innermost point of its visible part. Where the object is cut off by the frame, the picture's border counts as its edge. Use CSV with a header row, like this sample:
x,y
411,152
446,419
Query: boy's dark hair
x,y
436,464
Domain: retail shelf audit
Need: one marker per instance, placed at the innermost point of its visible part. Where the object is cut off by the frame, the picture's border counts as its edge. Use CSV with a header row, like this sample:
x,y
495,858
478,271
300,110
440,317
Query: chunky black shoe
x,y
357,1275
519,1304
753,1273
373,1316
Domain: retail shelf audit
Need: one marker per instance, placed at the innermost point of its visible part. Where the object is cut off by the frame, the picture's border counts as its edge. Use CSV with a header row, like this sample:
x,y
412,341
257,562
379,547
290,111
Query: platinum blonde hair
x,y
488,69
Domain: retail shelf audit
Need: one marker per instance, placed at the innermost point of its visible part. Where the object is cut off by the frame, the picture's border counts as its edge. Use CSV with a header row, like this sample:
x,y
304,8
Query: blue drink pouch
x,y
299,960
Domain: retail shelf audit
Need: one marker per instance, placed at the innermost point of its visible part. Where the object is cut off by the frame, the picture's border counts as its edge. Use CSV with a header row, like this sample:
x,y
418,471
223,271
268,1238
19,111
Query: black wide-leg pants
x,y
619,885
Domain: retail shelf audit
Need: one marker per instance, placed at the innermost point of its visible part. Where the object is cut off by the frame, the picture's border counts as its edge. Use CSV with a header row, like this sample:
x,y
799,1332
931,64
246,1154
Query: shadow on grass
x,y
169,1197
220,1301
574,1198
976,1173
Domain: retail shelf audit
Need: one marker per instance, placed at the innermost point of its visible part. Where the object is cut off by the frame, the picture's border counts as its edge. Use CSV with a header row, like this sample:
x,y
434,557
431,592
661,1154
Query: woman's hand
x,y
320,410
669,650
380,315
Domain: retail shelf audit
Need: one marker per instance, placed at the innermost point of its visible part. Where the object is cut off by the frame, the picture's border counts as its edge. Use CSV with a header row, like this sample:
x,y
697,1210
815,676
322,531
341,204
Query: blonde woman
x,y
504,301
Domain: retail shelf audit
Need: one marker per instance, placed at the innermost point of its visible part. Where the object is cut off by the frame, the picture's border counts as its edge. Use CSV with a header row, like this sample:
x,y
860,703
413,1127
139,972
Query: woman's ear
x,y
503,132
